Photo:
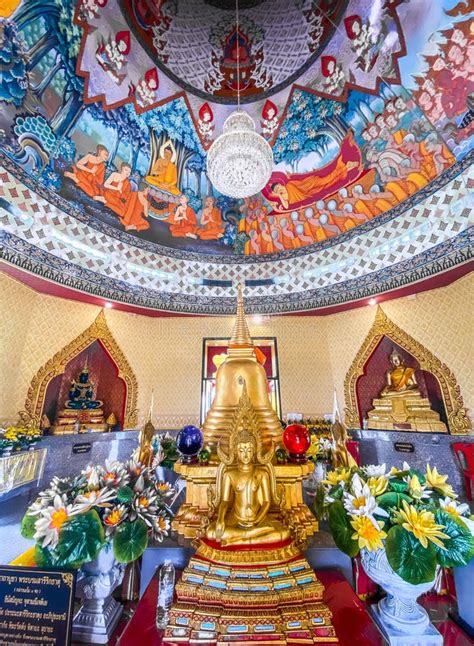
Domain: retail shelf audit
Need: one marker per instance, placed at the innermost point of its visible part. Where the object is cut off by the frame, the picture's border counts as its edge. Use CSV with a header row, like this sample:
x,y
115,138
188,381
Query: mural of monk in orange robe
x,y
288,192
212,227
136,211
183,220
89,172
116,191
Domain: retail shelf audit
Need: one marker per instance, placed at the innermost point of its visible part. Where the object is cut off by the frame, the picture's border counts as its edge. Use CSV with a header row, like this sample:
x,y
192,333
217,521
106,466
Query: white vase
x,y
99,613
400,617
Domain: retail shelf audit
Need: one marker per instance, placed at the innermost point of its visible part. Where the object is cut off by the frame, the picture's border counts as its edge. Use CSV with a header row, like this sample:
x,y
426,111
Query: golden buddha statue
x,y
400,378
400,405
145,448
240,363
340,455
246,488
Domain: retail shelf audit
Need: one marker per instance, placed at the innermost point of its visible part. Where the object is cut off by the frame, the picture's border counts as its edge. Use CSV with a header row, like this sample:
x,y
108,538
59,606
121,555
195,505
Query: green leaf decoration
x,y
125,495
319,502
460,545
81,539
407,556
341,529
130,541
391,499
48,557
27,528
398,485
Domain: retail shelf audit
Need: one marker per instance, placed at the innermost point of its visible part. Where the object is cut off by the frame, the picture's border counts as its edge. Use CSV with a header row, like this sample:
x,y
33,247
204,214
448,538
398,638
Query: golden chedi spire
x,y
240,366
240,335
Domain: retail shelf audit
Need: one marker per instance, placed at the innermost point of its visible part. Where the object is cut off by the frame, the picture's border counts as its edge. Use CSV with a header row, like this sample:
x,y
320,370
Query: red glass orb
x,y
296,439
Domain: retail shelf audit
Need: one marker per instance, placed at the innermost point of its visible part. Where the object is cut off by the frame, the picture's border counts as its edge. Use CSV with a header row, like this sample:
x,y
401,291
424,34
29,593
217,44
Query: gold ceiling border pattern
x,y
98,331
458,421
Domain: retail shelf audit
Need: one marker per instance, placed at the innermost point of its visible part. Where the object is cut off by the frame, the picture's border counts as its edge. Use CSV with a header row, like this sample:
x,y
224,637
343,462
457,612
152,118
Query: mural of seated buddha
x,y
164,172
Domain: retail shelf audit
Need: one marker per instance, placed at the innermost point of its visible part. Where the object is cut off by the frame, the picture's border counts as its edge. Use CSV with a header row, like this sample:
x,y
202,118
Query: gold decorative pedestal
x,y
249,596
200,478
89,420
408,413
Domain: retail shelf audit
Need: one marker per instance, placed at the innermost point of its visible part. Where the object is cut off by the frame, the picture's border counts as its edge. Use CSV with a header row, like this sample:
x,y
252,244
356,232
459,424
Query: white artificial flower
x,y
161,526
458,509
51,519
375,470
95,498
92,475
114,474
362,502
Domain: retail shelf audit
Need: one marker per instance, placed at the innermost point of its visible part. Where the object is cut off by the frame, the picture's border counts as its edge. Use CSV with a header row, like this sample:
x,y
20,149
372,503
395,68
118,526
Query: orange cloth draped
x,y
428,166
90,183
214,227
300,190
118,200
367,208
164,175
135,213
180,228
400,377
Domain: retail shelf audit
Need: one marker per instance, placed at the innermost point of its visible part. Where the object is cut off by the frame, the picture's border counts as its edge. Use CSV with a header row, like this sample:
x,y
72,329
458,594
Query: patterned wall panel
x,y
165,353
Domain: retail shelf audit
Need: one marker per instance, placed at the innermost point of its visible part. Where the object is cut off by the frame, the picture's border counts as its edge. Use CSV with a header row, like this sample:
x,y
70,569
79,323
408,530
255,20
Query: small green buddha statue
x,y
81,393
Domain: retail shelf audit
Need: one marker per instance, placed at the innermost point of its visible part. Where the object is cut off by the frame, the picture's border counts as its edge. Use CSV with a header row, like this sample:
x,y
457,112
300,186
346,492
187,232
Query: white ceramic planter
x,y
99,614
400,617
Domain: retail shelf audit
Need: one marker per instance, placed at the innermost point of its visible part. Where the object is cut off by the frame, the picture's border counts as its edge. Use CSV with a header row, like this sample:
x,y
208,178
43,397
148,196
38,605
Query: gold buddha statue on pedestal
x,y
400,405
246,488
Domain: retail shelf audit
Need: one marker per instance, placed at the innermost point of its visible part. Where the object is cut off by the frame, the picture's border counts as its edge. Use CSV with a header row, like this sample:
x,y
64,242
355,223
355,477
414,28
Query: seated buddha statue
x,y
400,405
246,491
164,172
400,378
81,393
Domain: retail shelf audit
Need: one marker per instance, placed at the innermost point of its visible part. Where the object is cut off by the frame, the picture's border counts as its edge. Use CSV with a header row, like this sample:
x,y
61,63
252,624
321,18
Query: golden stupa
x,y
240,365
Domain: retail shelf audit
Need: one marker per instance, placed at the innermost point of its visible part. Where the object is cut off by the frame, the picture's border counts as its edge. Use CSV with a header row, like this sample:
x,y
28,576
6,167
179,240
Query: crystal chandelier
x,y
240,161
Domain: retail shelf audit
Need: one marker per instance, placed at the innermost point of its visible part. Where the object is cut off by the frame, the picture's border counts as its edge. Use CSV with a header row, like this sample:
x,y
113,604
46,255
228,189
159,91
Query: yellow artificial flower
x,y
421,524
367,534
416,489
438,482
334,477
378,485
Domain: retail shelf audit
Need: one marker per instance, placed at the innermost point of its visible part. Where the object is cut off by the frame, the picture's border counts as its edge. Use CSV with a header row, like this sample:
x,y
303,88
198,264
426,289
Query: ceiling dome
x,y
109,110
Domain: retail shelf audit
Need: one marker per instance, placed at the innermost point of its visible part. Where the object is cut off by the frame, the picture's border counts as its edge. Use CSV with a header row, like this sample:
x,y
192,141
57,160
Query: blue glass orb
x,y
189,441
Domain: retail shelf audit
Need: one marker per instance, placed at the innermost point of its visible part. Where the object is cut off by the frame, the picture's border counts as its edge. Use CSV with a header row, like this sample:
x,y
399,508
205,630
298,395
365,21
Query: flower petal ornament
x,y
367,534
362,502
51,520
421,524
438,482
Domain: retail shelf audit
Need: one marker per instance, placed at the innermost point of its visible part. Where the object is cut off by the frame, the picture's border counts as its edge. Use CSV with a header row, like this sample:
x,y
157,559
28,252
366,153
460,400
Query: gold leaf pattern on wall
x,y
165,354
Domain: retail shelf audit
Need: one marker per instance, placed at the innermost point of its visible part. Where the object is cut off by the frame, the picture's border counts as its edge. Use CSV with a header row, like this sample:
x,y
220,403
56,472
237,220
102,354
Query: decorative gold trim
x,y
98,331
458,421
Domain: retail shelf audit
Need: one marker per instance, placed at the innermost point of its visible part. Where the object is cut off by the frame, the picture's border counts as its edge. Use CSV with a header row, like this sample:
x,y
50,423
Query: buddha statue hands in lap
x,y
245,494
400,379
81,393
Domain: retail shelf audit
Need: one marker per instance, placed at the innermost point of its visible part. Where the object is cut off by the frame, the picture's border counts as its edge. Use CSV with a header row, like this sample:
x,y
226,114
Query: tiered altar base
x,y
410,413
246,595
89,420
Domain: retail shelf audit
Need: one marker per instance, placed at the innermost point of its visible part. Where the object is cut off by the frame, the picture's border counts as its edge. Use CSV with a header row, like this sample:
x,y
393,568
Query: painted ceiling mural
x,y
109,106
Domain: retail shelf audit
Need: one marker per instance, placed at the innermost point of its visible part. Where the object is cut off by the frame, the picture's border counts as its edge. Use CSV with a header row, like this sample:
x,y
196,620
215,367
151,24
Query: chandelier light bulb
x,y
240,161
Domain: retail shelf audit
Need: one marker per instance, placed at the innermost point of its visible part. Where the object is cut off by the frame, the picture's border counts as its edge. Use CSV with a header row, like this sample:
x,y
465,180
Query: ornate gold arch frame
x,y
458,421
98,331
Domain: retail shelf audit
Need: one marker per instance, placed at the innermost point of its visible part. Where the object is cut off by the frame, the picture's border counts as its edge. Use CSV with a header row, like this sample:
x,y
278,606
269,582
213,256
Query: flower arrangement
x,y
16,438
320,448
119,503
414,516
